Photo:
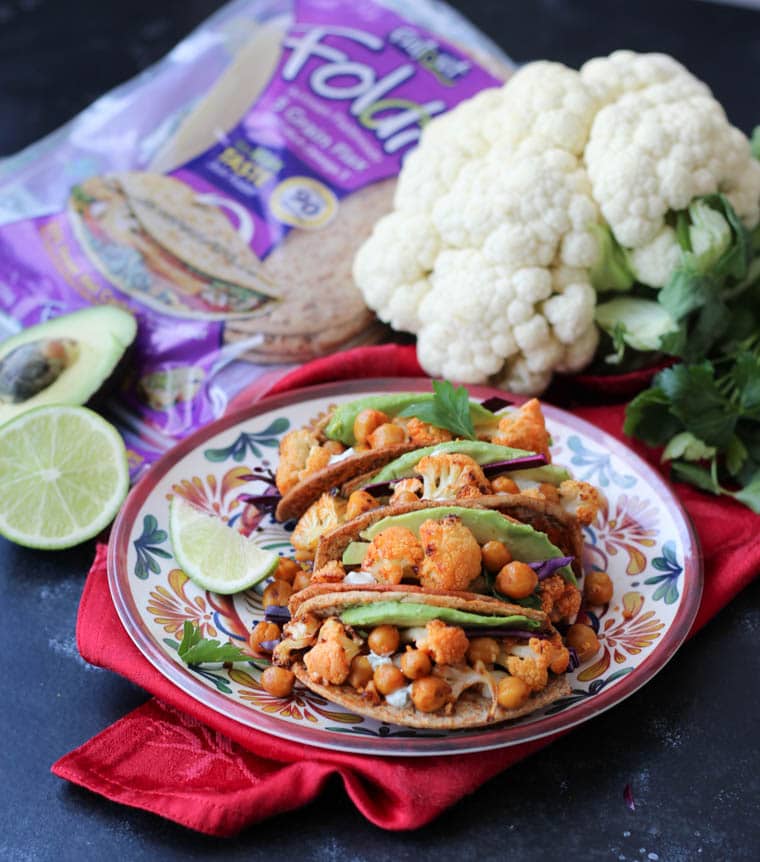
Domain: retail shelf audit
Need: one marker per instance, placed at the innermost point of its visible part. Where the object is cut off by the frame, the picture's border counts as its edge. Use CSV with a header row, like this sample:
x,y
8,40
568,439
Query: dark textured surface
x,y
687,743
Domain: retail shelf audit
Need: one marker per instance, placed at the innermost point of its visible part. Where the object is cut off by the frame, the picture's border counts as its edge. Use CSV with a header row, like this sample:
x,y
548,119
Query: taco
x,y
358,438
401,655
463,547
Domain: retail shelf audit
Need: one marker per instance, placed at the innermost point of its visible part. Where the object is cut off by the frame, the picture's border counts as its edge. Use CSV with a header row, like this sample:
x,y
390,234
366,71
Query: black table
x,y
687,743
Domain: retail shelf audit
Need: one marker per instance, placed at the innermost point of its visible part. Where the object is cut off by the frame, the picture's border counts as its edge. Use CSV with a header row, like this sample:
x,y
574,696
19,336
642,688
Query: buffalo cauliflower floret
x,y
331,573
330,660
581,499
394,553
525,429
452,558
560,599
403,487
531,663
445,644
296,635
297,447
326,513
423,434
450,476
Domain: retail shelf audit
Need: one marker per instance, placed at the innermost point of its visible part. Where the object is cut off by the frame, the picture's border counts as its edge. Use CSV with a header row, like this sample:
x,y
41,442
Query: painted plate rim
x,y
460,742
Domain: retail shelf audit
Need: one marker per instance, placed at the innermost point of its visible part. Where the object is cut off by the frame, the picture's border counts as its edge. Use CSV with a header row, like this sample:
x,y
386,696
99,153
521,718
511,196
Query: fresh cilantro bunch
x,y
449,408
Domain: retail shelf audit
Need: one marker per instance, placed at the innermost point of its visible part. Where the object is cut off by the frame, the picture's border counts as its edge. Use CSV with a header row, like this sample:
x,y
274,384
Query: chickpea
x,y
334,447
287,570
361,672
583,640
360,502
262,631
388,678
404,497
383,640
496,555
504,485
277,593
430,693
597,588
415,664
301,581
366,422
516,580
512,692
278,681
386,435
483,649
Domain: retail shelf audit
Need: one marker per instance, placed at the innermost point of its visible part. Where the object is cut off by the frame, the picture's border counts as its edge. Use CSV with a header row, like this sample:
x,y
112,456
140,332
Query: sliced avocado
x,y
354,554
549,474
478,450
63,361
525,543
341,425
416,614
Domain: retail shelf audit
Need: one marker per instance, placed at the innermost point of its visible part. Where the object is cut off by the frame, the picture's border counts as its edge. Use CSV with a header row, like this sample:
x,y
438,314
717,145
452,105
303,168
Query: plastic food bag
x,y
221,195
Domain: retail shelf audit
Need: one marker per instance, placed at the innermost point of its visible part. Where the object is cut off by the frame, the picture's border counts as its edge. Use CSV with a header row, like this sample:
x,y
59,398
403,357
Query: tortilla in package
x,y
221,196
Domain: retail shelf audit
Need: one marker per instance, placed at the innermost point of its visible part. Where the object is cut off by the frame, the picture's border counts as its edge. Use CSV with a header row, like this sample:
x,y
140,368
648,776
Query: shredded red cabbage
x,y
268,646
524,634
379,489
628,797
524,462
495,403
545,568
266,502
574,661
277,614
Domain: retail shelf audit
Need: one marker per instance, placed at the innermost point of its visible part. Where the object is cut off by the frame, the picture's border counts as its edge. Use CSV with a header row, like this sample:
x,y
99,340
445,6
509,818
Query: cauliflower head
x,y
452,556
501,212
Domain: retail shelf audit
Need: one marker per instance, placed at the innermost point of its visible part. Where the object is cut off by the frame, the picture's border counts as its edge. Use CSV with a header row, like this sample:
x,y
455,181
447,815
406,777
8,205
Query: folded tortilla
x,y
473,708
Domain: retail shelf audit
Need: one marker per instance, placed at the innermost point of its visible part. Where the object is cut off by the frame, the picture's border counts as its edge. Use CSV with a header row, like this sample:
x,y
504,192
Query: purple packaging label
x,y
353,88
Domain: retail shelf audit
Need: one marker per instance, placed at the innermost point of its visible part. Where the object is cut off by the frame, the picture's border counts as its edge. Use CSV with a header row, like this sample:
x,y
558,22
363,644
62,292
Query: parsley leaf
x,y
449,409
196,649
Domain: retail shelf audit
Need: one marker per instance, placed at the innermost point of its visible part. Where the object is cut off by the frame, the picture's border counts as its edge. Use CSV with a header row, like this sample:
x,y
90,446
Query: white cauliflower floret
x,y
653,262
451,476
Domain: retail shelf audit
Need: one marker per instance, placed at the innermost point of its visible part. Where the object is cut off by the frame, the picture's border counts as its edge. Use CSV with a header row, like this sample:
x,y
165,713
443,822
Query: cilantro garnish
x,y
196,649
449,409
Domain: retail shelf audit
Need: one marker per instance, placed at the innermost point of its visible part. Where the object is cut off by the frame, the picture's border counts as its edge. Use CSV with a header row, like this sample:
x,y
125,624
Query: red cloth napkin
x,y
179,759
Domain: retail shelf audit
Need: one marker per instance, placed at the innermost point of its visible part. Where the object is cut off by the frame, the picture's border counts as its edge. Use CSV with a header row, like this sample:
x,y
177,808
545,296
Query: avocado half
x,y
63,361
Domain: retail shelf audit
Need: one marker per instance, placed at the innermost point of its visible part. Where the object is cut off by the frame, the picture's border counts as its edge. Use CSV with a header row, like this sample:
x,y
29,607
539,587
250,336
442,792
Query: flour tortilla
x,y
471,709
562,529
227,102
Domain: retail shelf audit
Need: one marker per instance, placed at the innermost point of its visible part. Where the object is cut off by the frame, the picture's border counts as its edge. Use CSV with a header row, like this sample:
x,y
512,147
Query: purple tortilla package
x,y
222,195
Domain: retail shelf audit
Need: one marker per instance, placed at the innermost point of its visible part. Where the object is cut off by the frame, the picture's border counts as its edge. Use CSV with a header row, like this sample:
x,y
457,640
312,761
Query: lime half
x,y
216,557
63,476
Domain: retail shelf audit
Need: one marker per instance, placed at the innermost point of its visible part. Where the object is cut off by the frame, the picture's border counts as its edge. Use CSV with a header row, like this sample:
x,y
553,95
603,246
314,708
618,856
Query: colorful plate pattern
x,y
642,538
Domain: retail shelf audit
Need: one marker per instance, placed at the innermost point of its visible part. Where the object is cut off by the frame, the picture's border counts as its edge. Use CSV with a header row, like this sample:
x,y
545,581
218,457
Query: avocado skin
x,y
478,450
341,424
525,543
103,334
407,614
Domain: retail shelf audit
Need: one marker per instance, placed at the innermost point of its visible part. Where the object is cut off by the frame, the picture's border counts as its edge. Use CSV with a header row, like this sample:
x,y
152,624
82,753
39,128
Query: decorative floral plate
x,y
642,538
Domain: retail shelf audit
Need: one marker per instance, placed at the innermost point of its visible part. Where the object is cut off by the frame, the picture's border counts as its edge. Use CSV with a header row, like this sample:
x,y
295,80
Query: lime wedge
x,y
216,557
63,476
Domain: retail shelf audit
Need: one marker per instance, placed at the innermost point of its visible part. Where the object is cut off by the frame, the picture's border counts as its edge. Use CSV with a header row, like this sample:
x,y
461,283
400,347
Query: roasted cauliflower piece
x,y
404,487
525,429
560,599
451,476
300,453
445,644
531,664
452,558
581,499
328,512
329,661
296,635
331,573
394,553
422,434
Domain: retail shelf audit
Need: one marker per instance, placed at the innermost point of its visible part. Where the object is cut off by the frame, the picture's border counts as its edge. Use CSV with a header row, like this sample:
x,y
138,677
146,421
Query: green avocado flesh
x,y
548,474
524,543
341,425
416,614
63,361
478,450
354,554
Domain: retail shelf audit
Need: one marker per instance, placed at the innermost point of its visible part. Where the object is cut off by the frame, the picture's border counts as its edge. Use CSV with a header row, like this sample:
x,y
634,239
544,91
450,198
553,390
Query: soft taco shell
x,y
562,529
470,710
